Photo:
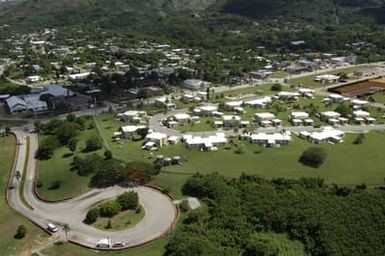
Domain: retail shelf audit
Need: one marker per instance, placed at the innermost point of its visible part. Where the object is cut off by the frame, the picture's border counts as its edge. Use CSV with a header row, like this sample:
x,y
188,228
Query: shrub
x,y
109,209
128,200
359,140
276,87
94,143
21,232
92,216
184,206
313,157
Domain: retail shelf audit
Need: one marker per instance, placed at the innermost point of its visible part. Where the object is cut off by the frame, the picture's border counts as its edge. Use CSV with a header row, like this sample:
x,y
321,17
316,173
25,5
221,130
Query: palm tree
x,y
66,229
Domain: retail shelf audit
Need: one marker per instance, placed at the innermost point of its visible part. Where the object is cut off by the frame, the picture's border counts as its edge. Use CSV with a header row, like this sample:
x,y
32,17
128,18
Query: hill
x,y
69,12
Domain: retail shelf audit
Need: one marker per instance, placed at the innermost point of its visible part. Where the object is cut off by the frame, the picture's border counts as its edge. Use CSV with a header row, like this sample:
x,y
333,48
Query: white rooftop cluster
x,y
205,143
328,134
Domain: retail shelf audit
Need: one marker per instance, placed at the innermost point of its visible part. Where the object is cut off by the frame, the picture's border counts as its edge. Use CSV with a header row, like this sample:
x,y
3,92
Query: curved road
x,y
159,218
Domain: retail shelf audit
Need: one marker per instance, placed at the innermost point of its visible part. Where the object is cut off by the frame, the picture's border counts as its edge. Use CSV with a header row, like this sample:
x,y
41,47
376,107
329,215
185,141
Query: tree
x,y
66,229
344,109
360,139
138,172
108,154
46,148
87,165
142,132
92,216
66,132
109,174
7,130
314,157
128,200
72,144
270,244
109,209
93,143
71,118
276,87
21,232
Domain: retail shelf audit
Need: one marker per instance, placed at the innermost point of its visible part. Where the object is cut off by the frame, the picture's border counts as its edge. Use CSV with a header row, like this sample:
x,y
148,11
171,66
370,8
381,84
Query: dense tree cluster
x,y
59,133
124,202
255,216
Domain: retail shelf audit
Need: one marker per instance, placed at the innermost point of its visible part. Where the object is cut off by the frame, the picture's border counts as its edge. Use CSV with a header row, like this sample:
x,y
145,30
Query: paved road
x,y
159,218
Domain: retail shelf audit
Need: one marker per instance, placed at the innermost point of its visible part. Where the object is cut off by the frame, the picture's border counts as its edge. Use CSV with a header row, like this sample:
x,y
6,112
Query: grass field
x,y
58,170
379,97
9,220
308,81
124,220
155,248
346,164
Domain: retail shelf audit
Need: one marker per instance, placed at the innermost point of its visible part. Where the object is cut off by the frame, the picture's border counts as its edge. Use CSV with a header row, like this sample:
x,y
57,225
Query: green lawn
x,y
308,81
279,74
155,248
124,220
346,163
378,97
9,220
205,124
58,170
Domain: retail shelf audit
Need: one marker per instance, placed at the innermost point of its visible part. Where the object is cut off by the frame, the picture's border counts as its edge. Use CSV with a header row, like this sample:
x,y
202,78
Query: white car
x,y
51,227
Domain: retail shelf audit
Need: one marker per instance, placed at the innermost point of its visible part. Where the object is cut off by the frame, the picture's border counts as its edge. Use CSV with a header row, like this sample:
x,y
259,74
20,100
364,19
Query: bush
x,y
313,157
21,232
108,155
239,151
276,88
94,143
128,200
110,209
92,216
359,140
184,206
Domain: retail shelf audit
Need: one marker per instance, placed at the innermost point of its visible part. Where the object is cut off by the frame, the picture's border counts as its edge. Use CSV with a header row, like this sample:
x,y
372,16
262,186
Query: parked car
x,y
51,227
118,244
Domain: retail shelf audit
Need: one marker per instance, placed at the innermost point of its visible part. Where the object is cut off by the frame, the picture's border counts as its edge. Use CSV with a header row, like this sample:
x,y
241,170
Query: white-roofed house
x,y
164,102
330,117
361,117
231,121
159,139
232,105
133,116
271,140
207,110
259,103
195,84
300,118
288,95
328,134
129,131
266,119
205,143
336,98
182,118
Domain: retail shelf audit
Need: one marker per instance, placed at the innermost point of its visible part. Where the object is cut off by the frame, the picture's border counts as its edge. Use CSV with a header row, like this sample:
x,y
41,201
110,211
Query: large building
x,y
33,102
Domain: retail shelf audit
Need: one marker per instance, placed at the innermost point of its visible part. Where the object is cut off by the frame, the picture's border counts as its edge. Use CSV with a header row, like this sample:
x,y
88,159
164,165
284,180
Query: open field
x,y
308,81
379,97
57,170
155,248
9,220
124,220
346,163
